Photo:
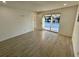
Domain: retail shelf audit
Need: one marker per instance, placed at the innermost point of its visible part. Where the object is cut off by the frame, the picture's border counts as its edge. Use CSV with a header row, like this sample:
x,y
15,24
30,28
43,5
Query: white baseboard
x,y
14,35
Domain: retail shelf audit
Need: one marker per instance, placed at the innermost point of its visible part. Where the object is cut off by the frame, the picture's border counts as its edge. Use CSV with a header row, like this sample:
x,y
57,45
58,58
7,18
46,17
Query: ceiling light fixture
x,y
4,1
65,4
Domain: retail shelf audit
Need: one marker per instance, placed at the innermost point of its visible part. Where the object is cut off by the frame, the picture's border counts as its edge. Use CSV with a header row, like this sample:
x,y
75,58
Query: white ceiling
x,y
38,5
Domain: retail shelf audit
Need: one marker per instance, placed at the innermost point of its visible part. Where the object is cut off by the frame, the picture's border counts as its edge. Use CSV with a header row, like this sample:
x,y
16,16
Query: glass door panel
x,y
47,22
55,23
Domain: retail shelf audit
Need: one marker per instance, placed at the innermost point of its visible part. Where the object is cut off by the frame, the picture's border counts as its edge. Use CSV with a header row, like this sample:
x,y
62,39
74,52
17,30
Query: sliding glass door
x,y
51,22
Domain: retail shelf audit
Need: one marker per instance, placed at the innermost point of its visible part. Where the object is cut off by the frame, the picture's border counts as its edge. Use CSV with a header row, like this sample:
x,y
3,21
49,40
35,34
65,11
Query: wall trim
x,y
15,35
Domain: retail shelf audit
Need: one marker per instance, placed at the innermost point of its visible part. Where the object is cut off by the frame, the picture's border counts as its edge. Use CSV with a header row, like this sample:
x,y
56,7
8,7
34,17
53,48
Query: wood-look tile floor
x,y
37,44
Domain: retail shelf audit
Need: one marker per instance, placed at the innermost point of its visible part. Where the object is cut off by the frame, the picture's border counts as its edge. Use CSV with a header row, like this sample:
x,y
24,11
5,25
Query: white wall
x,y
66,21
75,36
14,22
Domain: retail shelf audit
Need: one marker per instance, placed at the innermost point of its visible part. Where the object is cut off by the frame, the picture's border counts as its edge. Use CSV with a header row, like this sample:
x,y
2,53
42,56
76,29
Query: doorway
x,y
51,22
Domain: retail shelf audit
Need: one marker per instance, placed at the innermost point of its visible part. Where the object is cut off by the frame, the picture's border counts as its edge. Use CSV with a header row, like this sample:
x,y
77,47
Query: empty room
x,y
39,28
